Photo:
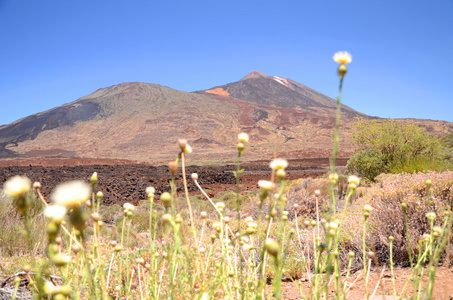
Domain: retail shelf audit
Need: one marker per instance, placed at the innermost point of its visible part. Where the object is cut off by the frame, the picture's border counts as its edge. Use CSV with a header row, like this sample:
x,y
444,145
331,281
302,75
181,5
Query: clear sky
x,y
56,51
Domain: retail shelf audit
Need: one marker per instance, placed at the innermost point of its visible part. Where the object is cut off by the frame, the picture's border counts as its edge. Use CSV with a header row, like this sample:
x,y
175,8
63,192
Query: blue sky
x,y
56,51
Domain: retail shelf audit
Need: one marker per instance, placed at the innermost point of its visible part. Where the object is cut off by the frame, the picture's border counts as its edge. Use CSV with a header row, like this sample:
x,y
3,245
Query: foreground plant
x,y
224,253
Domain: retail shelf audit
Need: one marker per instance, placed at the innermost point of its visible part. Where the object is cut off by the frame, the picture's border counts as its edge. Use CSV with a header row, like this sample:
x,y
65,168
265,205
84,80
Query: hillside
x,y
142,122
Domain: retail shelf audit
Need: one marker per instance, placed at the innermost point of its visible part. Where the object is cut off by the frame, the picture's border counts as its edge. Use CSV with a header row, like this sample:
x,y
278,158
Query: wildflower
x,y
252,225
185,147
99,195
426,237
367,208
56,213
437,229
354,180
265,185
248,219
279,163
16,186
332,225
243,137
150,191
217,226
36,185
194,176
431,216
342,57
220,205
204,214
333,177
128,207
71,193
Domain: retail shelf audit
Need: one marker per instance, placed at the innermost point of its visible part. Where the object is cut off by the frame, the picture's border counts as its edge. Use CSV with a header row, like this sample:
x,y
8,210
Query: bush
x,y
391,146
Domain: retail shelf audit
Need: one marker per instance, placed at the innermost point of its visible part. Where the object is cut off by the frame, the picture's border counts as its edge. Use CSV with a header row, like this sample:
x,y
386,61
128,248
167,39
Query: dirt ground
x,y
443,288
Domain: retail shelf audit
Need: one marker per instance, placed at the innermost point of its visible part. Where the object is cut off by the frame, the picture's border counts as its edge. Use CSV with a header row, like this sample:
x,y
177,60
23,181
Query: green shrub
x,y
390,146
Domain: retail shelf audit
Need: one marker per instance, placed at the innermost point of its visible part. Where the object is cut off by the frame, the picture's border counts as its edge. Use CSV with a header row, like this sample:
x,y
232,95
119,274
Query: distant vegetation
x,y
392,147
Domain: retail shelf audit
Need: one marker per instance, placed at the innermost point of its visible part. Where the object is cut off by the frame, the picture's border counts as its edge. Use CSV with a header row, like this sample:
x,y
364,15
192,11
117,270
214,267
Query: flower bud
x,y
272,247
166,199
94,178
194,176
36,185
173,167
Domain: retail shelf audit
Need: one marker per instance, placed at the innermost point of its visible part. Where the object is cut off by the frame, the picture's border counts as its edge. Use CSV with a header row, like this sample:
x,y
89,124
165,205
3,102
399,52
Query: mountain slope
x,y
142,121
263,89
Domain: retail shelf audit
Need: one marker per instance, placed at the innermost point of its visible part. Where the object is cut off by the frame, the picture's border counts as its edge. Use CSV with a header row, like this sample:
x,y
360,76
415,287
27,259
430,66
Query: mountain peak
x,y
255,74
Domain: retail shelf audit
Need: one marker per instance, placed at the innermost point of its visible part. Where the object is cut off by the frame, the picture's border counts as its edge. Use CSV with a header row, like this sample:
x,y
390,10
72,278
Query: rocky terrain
x,y
121,181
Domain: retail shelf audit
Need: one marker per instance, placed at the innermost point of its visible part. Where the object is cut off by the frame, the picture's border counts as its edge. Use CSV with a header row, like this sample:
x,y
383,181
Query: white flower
x,y
265,184
431,216
15,187
243,137
55,212
71,193
367,208
128,207
354,180
279,163
150,190
342,57
220,205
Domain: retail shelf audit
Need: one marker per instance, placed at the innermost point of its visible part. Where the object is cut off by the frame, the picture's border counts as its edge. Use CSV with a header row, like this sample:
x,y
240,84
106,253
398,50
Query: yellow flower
x,y
15,187
279,163
342,57
71,193
243,137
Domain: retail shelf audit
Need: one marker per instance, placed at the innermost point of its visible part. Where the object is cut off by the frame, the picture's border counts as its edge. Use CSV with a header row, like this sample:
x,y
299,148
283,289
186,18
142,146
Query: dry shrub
x,y
12,234
387,217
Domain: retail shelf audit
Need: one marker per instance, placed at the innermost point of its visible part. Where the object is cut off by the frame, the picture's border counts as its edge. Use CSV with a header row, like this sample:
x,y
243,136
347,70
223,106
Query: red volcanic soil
x,y
125,181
